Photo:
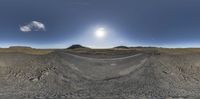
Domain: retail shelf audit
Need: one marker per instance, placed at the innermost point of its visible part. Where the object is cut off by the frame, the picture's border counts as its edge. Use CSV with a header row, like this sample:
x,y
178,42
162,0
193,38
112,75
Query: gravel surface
x,y
66,75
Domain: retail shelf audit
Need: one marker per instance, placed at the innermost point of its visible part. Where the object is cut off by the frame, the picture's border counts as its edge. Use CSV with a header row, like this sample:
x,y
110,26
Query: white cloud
x,y
33,26
25,29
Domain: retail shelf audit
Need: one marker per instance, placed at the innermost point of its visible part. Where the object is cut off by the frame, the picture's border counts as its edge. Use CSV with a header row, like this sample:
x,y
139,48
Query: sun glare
x,y
100,33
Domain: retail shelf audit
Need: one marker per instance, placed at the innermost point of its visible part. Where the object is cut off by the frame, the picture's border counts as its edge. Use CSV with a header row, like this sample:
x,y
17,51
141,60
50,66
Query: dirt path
x,y
132,68
98,69
63,74
111,59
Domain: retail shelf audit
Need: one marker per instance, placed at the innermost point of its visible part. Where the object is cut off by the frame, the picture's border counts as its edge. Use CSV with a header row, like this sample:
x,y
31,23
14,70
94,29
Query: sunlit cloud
x,y
33,26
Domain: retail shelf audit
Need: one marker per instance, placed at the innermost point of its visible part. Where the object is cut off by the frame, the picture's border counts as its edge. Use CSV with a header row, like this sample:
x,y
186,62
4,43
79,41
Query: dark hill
x,y
20,47
77,46
122,47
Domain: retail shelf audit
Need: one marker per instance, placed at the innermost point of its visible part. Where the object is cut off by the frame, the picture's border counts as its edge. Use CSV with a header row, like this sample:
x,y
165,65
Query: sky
x,y
61,23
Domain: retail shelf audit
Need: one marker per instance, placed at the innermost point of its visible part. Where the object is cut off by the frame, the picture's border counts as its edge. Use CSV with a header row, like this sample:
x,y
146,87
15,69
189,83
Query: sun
x,y
100,33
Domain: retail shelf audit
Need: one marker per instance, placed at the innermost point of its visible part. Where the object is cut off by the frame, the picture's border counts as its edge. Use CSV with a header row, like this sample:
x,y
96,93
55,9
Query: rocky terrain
x,y
119,73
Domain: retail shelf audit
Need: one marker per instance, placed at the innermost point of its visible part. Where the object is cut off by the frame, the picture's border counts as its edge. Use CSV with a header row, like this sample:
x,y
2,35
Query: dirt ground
x,y
134,73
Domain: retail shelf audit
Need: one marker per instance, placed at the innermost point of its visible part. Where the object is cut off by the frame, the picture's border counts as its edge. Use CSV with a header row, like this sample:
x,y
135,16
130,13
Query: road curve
x,y
110,59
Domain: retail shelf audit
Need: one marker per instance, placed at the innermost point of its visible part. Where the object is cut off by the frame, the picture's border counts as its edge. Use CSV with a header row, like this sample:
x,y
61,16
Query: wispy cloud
x,y
33,26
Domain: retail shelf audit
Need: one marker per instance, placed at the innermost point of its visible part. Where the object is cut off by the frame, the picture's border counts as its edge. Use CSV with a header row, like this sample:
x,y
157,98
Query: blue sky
x,y
61,23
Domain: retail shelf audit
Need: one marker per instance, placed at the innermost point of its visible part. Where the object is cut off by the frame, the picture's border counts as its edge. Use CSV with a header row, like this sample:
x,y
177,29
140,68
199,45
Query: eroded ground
x,y
137,73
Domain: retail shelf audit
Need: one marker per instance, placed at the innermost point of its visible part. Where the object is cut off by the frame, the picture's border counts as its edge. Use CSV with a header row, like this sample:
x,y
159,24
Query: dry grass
x,y
113,51
103,53
26,51
179,50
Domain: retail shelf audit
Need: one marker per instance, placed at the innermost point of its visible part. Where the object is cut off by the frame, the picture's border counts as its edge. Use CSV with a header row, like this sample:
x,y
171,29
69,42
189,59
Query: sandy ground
x,y
101,74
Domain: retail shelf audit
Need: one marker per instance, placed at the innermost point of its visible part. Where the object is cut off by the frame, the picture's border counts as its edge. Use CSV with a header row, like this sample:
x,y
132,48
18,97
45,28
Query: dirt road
x,y
61,74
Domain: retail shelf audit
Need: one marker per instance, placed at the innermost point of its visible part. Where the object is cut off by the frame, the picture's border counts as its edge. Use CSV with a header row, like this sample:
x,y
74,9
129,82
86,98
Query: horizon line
x,y
91,47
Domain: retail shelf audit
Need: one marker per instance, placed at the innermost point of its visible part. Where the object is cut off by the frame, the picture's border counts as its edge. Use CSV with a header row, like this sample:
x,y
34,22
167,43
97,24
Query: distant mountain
x,y
145,47
77,46
20,47
122,47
